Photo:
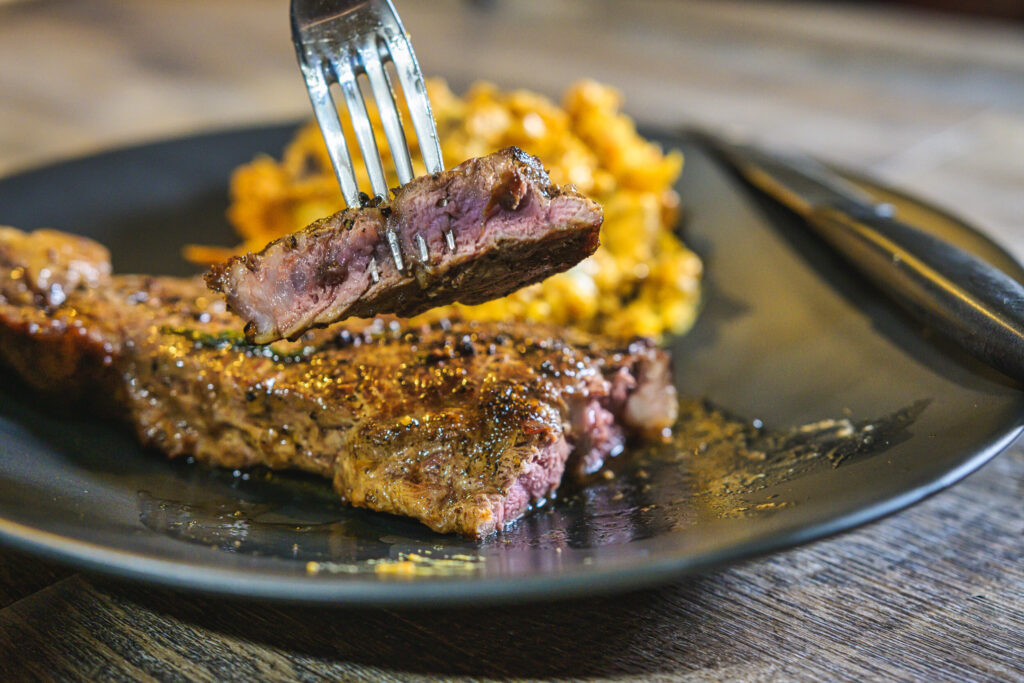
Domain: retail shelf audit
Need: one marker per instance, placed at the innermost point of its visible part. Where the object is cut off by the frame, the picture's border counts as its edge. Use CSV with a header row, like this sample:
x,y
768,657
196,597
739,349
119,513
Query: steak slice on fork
x,y
473,233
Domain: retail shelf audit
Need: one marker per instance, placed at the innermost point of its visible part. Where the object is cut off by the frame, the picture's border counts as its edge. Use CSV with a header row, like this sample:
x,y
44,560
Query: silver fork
x,y
339,40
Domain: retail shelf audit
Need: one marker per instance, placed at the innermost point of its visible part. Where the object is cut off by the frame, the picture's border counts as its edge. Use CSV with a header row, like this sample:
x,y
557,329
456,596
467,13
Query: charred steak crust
x,y
460,425
510,225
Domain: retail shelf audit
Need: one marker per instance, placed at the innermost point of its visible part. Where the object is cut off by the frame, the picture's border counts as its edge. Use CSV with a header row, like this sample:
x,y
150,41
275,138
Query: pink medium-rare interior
x,y
540,477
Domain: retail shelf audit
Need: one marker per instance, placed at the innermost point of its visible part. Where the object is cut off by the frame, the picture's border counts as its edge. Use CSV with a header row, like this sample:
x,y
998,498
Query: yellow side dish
x,y
641,281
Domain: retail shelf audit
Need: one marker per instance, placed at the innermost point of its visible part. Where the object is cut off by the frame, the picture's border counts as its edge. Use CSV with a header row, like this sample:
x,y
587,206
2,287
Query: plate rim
x,y
582,580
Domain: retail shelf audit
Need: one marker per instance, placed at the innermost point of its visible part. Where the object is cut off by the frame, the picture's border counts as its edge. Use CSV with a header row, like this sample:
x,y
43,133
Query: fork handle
x,y
945,287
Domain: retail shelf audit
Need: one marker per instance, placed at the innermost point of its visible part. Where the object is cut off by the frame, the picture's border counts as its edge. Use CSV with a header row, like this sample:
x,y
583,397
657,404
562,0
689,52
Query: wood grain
x,y
931,103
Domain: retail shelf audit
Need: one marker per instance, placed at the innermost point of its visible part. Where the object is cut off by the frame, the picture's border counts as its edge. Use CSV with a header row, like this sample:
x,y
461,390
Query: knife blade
x,y
946,288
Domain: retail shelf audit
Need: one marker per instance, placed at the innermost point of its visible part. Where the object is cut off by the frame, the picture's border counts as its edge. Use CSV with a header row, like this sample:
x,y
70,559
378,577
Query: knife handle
x,y
946,288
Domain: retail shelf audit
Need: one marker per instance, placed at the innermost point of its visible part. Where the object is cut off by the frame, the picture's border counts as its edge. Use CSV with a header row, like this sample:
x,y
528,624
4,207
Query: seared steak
x,y
459,425
474,233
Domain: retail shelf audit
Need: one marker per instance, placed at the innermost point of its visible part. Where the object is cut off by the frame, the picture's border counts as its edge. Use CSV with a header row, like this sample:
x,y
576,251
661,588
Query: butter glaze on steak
x,y
511,227
459,425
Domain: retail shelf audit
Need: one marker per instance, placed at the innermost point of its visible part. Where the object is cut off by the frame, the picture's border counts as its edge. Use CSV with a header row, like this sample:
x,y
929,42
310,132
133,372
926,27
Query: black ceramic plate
x,y
788,337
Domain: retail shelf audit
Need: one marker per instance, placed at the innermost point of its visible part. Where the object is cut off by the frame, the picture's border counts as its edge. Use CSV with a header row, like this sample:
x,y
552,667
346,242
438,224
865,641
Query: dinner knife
x,y
966,299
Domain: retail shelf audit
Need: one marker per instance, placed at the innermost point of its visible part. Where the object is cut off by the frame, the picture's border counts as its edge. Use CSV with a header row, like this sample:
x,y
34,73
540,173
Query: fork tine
x,y
327,117
361,123
367,144
384,95
411,78
415,90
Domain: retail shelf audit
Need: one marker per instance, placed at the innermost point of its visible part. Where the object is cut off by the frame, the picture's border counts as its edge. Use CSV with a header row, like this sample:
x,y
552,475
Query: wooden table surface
x,y
931,103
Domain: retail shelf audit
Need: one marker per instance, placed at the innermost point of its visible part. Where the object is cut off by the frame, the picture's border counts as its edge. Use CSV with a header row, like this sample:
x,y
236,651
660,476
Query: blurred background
x,y
928,95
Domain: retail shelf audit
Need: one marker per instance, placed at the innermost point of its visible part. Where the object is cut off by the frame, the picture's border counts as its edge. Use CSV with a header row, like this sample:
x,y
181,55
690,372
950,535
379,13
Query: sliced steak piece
x,y
474,233
460,425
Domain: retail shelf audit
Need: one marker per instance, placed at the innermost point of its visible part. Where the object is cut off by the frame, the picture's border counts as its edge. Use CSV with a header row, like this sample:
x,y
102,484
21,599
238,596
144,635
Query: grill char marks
x,y
459,425
509,224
